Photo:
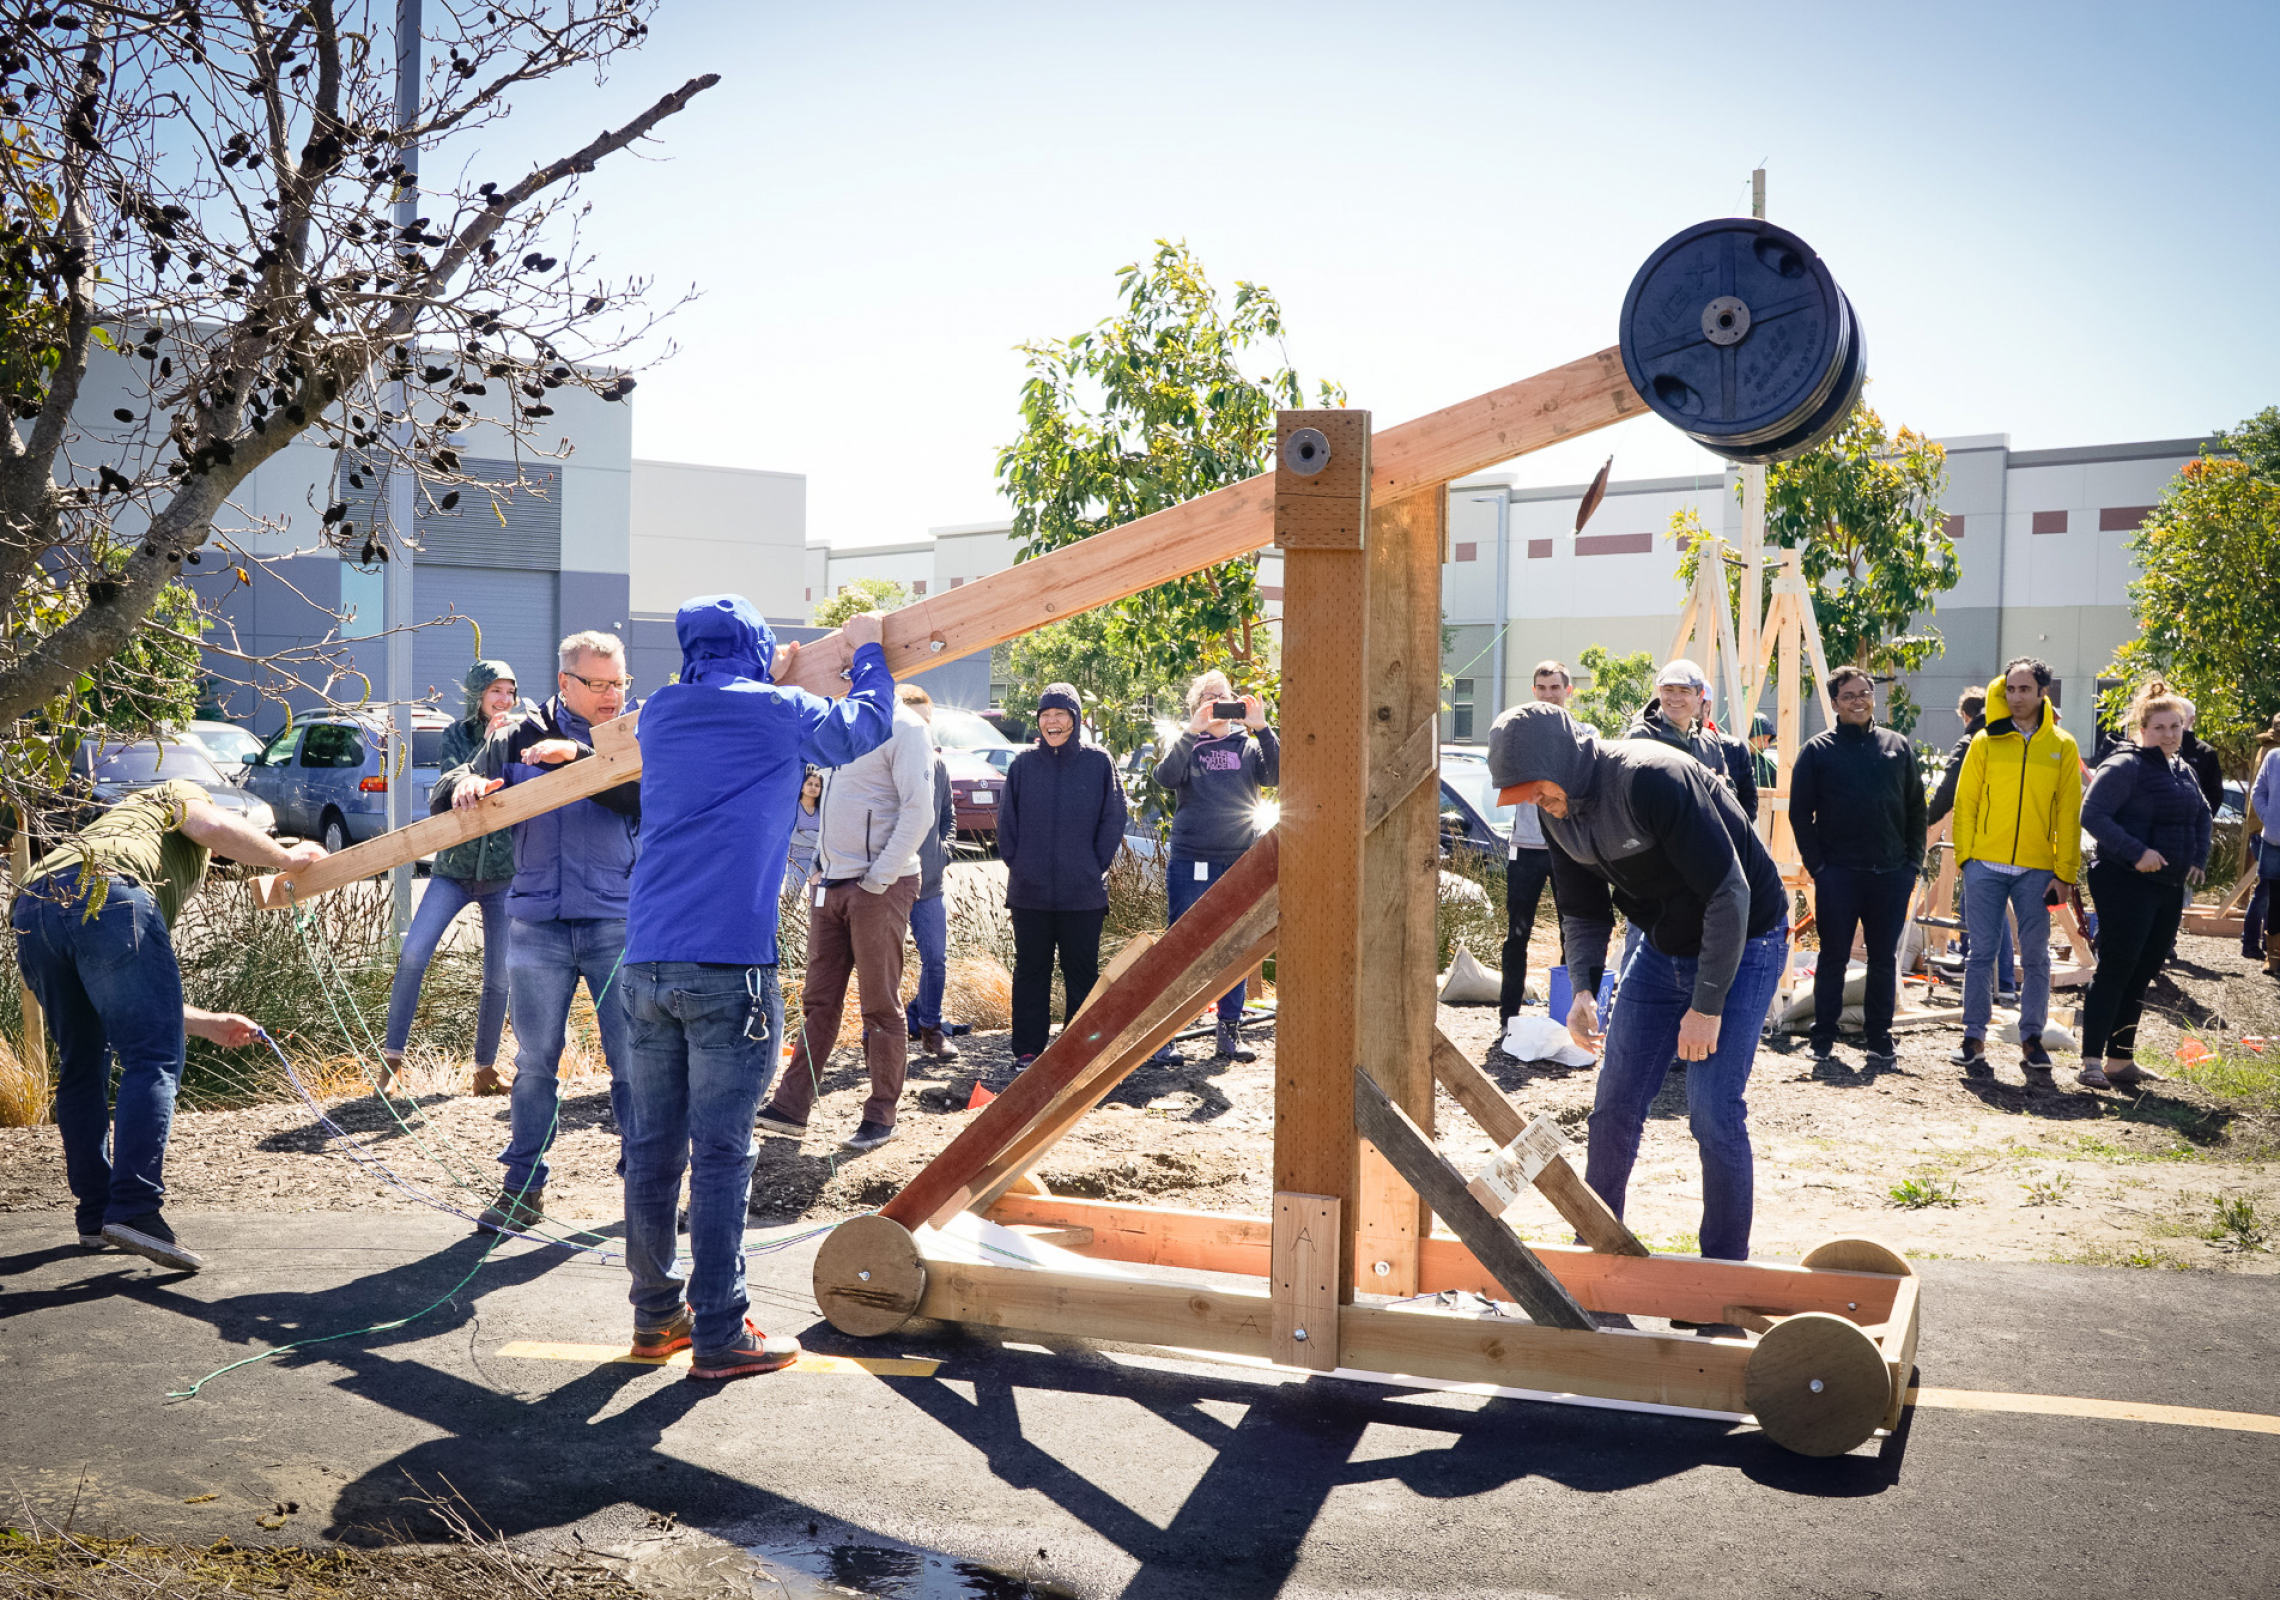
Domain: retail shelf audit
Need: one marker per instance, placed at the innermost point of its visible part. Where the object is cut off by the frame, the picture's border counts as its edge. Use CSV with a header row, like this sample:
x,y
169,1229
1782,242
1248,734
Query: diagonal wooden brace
x,y
1515,1267
1416,760
1594,1223
947,1183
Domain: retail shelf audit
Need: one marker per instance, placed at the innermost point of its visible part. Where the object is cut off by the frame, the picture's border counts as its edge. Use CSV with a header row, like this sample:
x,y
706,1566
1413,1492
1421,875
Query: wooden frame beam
x,y
949,1182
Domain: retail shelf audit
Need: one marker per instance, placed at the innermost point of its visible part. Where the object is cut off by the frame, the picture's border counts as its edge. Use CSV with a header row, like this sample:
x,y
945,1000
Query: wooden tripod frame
x,y
1344,891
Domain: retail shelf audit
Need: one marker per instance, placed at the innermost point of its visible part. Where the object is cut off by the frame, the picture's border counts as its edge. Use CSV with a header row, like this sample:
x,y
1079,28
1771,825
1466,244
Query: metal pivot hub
x,y
1725,320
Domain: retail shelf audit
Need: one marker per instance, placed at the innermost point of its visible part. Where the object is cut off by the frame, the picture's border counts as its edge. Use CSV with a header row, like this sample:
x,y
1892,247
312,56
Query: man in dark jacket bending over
x,y
1637,826
573,866
723,754
1856,803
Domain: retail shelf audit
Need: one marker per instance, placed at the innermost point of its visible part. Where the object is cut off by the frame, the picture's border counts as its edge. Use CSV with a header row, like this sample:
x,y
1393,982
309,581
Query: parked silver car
x,y
327,778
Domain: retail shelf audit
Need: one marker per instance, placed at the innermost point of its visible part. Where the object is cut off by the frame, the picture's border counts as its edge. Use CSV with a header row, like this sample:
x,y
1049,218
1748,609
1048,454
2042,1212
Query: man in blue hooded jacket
x,y
723,754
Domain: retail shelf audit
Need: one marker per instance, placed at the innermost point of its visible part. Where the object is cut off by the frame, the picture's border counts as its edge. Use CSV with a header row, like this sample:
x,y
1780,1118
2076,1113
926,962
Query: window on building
x,y
2122,519
1468,552
811,591
1952,527
1461,708
2050,522
954,582
918,586
1539,549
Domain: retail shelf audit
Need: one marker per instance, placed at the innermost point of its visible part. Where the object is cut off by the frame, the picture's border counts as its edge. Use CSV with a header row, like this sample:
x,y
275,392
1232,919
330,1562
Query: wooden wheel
x,y
1856,1253
1817,1384
869,1277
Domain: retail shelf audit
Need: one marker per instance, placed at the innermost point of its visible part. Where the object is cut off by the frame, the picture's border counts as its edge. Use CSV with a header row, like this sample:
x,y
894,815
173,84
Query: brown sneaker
x,y
752,1352
934,1044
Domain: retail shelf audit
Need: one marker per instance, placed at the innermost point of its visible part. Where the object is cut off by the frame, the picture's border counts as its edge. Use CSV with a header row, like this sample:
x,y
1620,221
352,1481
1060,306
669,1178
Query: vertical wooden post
x,y
1401,860
31,1047
1321,513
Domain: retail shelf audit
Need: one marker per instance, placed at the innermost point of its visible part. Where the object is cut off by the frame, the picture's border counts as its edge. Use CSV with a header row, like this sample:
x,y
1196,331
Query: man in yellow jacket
x,y
2018,833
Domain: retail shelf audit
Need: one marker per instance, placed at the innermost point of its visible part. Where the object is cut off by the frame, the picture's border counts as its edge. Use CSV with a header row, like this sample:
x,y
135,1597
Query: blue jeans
x,y
930,931
1184,889
545,960
108,983
440,902
1642,1040
693,1086
1985,895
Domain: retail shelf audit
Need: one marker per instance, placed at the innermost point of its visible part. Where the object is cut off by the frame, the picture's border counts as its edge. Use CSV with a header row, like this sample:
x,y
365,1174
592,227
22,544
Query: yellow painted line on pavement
x,y
2060,1405
809,1361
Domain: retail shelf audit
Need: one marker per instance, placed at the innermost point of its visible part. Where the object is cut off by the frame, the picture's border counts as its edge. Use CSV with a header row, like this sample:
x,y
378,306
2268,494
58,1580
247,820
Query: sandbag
x,y
1468,983
2054,1036
1539,1038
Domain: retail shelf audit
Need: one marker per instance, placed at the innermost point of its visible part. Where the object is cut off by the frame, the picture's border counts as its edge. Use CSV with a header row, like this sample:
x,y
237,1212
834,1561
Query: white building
x,y
2041,536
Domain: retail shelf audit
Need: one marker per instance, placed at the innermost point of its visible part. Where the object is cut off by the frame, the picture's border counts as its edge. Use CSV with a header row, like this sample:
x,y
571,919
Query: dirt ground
x,y
1996,1171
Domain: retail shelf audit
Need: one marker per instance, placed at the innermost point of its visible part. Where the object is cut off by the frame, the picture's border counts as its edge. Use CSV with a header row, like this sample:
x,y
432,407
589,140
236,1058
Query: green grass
x,y
2143,1257
2238,1078
2237,1226
1915,1194
2048,1191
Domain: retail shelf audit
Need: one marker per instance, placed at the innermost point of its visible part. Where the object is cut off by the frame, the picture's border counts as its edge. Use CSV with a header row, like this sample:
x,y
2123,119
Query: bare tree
x,y
204,187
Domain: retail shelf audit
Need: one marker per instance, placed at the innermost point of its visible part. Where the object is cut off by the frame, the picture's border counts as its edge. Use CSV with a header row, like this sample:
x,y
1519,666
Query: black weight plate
x,y
1825,419
1762,385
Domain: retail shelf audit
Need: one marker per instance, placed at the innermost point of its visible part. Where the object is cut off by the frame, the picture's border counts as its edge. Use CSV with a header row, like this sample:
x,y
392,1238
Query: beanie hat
x,y
1060,697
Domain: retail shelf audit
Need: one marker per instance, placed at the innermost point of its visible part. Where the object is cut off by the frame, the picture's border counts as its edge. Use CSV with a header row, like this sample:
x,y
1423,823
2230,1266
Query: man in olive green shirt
x,y
92,938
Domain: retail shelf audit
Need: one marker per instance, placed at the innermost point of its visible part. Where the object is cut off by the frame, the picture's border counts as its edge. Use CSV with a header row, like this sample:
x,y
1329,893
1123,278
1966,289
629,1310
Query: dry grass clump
x,y
979,992
24,1094
53,1561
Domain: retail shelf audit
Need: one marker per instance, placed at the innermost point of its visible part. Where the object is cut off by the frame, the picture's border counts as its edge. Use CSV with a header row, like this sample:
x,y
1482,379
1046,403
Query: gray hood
x,y
1532,742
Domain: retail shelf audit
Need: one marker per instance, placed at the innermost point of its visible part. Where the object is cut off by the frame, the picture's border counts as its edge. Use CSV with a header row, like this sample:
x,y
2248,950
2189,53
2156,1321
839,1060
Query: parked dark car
x,y
327,778
1472,820
976,756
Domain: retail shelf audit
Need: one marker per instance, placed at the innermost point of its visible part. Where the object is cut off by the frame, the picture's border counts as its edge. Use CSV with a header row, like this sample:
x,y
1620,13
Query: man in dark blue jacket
x,y
573,867
723,753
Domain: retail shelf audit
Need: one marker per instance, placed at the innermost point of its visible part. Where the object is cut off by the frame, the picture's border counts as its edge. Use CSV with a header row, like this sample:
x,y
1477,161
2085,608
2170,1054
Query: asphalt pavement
x,y
1102,1471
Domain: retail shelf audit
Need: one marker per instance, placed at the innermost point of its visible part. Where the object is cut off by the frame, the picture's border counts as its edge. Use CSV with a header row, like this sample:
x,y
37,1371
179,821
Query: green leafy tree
x,y
1148,408
1620,685
860,595
2207,598
1865,509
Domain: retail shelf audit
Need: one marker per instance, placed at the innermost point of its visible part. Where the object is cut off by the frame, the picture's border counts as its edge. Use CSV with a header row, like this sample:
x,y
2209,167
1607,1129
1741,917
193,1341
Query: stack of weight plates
x,y
1735,333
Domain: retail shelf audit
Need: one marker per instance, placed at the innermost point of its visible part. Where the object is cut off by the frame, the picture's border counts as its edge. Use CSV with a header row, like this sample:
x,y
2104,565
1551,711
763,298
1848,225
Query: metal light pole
x,y
403,511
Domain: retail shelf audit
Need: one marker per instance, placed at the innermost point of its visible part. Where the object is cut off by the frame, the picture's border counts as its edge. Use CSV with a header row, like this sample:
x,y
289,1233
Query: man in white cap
x,y
1678,716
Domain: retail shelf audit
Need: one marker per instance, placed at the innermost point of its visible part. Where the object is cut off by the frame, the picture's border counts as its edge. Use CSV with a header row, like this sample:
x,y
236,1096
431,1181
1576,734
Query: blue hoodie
x,y
722,755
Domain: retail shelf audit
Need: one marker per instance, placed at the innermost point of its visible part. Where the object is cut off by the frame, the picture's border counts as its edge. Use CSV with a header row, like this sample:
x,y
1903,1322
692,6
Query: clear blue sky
x,y
2056,222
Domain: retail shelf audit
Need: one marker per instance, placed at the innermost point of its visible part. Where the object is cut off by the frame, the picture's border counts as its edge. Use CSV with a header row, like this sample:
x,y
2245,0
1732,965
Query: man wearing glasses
x,y
1856,804
573,875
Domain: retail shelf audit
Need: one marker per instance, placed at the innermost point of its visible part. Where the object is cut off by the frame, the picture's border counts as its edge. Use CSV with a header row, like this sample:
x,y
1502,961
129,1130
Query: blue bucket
x,y
1562,997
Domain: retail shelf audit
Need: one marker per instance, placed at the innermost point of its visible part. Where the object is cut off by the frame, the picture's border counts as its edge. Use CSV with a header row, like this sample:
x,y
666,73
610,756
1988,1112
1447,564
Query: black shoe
x,y
2034,1060
1230,1044
1823,1049
1971,1055
771,1120
149,1236
868,1136
752,1352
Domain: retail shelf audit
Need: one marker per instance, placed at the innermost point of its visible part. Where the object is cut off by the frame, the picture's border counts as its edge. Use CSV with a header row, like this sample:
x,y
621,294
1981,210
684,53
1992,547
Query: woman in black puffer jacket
x,y
2146,811
1058,829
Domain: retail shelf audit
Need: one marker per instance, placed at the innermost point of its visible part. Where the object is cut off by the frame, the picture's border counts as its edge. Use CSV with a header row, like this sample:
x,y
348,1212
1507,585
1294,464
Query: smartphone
x,y
1230,710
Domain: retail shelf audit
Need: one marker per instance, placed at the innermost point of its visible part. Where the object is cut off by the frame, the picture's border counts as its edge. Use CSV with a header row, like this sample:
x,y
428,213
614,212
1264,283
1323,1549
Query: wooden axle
x,y
1857,1340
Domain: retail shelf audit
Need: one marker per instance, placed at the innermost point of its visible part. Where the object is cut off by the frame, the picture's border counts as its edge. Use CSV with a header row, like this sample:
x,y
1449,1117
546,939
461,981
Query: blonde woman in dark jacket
x,y
472,874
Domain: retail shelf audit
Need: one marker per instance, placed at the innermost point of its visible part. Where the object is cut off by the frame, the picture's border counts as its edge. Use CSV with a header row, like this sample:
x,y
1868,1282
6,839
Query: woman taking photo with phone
x,y
1215,770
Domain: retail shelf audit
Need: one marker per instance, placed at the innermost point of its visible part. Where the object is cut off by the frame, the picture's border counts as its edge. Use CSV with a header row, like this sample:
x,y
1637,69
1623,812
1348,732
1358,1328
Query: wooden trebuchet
x,y
1511,421
1494,1245
946,1183
616,760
